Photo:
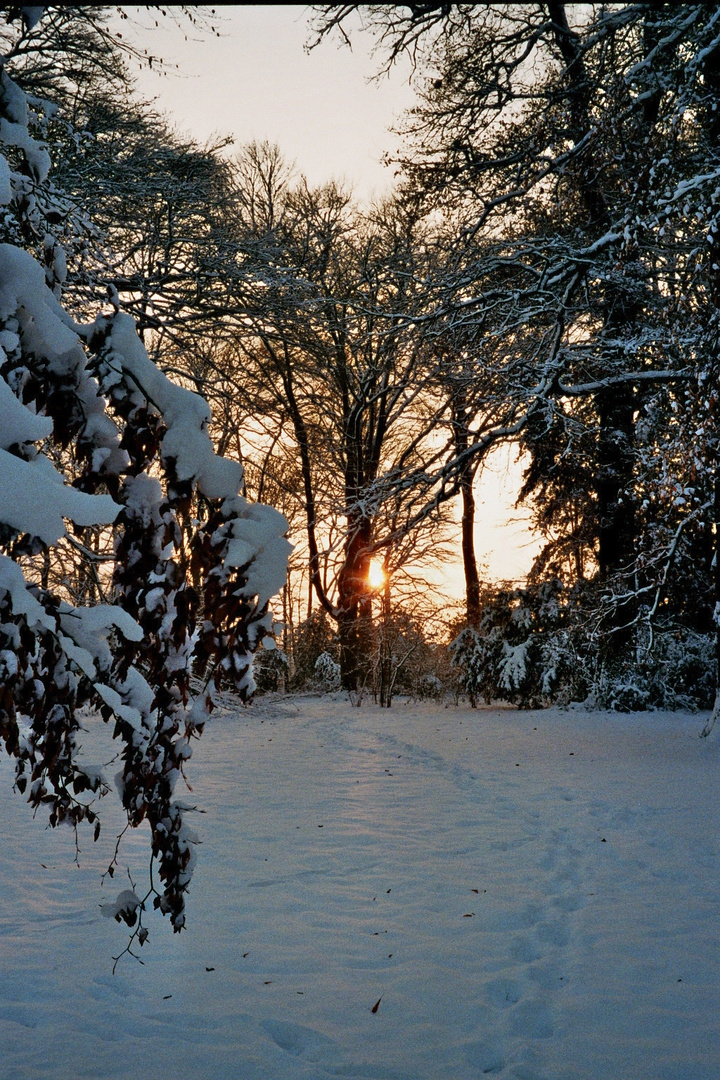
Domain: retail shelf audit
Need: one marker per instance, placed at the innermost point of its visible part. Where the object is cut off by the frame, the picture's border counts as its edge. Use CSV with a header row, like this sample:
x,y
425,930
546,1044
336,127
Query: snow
x,y
23,602
34,499
14,132
5,184
127,900
23,288
529,895
33,495
90,627
17,423
185,414
257,533
513,665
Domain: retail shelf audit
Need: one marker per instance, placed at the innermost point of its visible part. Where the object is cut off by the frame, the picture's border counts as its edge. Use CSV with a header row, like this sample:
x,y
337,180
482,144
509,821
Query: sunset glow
x,y
376,575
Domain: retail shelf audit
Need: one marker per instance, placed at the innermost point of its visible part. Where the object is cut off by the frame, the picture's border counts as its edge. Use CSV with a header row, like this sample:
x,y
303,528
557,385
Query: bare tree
x,y
325,350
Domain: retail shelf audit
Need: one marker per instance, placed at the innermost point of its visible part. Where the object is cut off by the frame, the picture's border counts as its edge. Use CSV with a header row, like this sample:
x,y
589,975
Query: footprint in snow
x,y
547,976
524,951
553,932
568,902
503,992
532,1019
298,1040
485,1058
22,1016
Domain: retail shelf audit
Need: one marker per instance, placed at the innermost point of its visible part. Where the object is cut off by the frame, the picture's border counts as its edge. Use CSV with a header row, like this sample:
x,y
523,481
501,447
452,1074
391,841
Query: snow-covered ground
x,y
529,895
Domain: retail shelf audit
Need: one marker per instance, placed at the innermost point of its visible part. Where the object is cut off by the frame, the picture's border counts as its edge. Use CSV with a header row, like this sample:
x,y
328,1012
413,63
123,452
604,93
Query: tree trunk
x,y
385,649
616,513
472,580
354,609
354,625
461,425
616,452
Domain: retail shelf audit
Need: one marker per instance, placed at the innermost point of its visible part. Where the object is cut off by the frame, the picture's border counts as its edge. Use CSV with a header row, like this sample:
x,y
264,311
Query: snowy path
x,y
531,896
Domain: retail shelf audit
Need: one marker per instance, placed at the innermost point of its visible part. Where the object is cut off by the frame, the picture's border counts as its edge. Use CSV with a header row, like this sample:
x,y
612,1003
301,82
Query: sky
x,y
256,81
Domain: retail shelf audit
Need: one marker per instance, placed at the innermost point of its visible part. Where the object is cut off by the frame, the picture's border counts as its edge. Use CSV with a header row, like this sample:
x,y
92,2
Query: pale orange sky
x,y
257,82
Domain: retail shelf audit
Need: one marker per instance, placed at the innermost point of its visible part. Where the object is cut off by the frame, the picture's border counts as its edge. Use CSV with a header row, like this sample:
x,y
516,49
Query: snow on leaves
x,y
192,568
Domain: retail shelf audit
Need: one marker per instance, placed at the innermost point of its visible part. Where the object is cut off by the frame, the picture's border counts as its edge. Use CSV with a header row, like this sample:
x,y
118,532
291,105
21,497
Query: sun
x,y
376,575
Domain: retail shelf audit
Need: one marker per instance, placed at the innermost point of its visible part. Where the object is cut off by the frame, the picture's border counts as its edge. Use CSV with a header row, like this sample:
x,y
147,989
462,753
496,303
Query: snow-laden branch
x,y
137,450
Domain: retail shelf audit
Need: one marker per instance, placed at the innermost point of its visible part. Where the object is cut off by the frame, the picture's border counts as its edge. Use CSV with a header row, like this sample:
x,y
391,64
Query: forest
x,y
262,407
